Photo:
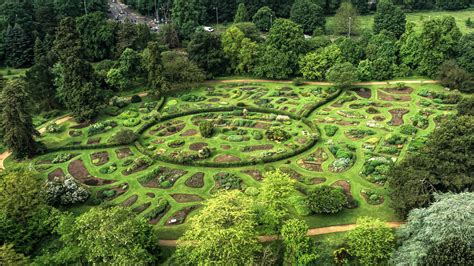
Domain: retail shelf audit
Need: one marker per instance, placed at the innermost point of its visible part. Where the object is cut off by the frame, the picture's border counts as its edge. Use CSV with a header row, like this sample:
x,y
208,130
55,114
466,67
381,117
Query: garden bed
x,y
185,198
255,174
397,116
129,201
123,153
180,216
58,173
100,158
78,170
195,181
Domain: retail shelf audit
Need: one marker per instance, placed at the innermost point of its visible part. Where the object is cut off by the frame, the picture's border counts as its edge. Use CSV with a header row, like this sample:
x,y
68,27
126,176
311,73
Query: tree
x,y
168,35
389,17
343,75
382,52
205,49
346,20
40,83
223,232
365,70
440,234
350,49
186,16
315,64
24,216
177,68
97,36
361,5
443,165
132,36
326,199
273,199
38,50
241,15
8,256
45,17
231,45
152,65
466,106
247,56
272,63
250,31
372,242
116,77
68,41
409,44
466,52
78,88
438,43
263,18
18,47
111,236
452,5
299,248
309,15
17,124
454,77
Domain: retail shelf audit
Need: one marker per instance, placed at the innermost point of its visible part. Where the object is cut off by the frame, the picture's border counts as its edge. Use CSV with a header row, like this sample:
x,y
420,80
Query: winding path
x,y
311,232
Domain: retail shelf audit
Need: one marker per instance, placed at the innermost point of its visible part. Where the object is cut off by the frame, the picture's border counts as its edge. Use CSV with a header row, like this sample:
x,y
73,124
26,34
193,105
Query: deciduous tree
x,y
315,64
309,15
299,248
241,15
389,17
343,75
346,20
263,18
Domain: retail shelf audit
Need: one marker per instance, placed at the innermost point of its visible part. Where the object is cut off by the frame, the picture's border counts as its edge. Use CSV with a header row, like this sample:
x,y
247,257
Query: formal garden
x,y
164,157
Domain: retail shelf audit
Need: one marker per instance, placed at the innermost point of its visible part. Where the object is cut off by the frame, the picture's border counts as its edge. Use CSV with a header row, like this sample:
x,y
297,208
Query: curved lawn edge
x,y
311,232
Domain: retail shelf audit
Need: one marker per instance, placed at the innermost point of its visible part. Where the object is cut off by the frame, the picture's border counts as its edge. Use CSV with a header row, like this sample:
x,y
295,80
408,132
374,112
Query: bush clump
x,y
124,136
206,128
135,99
277,134
62,158
330,130
326,199
66,191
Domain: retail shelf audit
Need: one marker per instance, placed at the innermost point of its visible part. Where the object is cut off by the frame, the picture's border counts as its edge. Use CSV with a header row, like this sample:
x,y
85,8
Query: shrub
x,y
298,82
108,169
393,139
235,138
53,128
176,143
135,99
119,102
408,130
124,136
277,134
65,192
330,130
228,181
162,205
252,191
101,127
372,197
131,122
206,128
257,135
62,158
326,199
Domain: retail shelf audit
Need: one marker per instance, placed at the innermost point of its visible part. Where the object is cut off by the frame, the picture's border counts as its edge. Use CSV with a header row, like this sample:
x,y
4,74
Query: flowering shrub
x,y
65,192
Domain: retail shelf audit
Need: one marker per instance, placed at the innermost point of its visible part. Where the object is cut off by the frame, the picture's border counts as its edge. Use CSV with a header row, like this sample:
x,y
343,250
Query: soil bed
x,y
397,116
100,158
58,173
391,98
404,90
139,209
150,195
93,141
130,201
184,198
195,181
180,216
189,132
119,190
366,198
363,92
258,148
226,158
351,203
197,146
123,153
255,174
78,170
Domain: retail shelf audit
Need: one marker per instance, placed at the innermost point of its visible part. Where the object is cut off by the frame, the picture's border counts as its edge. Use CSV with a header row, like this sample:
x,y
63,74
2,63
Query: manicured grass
x,y
9,73
460,16
350,113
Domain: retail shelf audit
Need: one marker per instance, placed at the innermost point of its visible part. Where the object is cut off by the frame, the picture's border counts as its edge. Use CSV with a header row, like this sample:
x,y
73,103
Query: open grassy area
x,y
9,73
315,134
460,16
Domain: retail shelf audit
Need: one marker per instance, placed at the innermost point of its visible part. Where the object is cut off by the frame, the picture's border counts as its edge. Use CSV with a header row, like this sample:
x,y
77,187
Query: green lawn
x,y
461,16
364,132
10,73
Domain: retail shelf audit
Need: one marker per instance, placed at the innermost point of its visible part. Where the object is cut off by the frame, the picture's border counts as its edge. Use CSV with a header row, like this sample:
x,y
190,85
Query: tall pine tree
x,y
18,47
68,41
17,125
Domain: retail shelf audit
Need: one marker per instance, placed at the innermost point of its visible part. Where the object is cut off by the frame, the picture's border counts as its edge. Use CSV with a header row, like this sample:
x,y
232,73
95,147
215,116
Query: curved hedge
x,y
311,109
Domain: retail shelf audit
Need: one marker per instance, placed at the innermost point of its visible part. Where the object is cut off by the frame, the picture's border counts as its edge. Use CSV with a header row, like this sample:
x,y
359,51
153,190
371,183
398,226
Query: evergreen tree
x,y
40,82
45,17
17,124
68,41
39,50
78,88
241,15
390,18
186,16
18,47
205,49
152,65
309,15
97,35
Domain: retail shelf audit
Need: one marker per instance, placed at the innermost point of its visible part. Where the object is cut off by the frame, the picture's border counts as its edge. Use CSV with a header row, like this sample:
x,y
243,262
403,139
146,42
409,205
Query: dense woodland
x,y
76,59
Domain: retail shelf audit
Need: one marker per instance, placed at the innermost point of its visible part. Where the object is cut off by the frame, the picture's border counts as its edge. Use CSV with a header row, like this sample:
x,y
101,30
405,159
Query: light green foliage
x,y
223,232
365,70
8,256
299,248
343,75
315,64
308,14
112,235
450,216
346,19
372,242
232,44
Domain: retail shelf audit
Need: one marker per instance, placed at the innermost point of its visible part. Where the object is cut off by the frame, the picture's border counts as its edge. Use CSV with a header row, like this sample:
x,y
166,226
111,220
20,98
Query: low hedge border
x,y
311,109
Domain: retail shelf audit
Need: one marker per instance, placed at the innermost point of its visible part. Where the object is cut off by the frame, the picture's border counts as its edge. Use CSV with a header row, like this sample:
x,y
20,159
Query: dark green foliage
x,y
343,75
454,77
326,199
177,68
351,50
466,106
249,30
40,83
445,164
272,64
16,124
390,18
18,47
242,14
205,50
330,130
438,43
124,136
228,181
68,42
263,18
466,52
452,4
382,53
135,37
186,16
451,251
136,99
97,35
309,15
206,128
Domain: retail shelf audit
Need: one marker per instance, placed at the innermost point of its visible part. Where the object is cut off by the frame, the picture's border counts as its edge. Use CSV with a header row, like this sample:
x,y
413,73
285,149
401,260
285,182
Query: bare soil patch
x,y
346,186
180,216
261,125
318,180
226,158
197,146
119,190
189,132
226,147
391,98
130,201
363,92
255,174
263,147
150,195
397,116
195,181
82,125
123,153
404,90
58,173
379,118
184,198
347,123
93,141
78,170
100,158
171,175
139,209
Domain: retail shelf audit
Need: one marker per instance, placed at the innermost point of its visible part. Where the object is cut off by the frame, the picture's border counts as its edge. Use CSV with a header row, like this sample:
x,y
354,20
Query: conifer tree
x,y
18,48
16,123
68,41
